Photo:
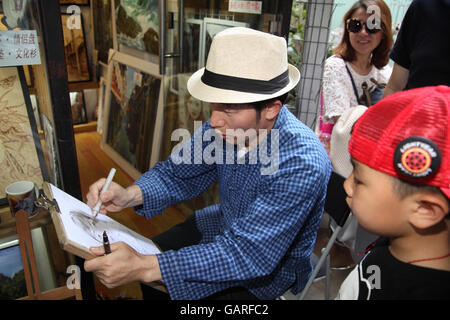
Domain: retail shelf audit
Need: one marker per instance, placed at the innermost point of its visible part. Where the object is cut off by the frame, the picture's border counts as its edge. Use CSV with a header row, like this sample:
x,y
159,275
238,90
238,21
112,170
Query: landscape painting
x,y
12,277
137,24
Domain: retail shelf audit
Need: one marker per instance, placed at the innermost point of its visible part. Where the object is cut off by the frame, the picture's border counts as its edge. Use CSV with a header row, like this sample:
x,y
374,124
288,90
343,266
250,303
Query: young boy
x,y
400,189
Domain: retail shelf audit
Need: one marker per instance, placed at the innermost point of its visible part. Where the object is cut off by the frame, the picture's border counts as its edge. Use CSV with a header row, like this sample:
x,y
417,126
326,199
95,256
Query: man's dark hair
x,y
259,105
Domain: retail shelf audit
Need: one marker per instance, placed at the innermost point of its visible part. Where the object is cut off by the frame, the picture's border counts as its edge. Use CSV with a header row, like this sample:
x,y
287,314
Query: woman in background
x,y
357,72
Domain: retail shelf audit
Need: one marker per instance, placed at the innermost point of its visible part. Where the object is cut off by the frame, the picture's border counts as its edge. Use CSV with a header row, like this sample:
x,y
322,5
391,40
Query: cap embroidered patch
x,y
417,157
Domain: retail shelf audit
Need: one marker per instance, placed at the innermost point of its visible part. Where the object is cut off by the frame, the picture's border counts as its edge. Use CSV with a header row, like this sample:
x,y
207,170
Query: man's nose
x,y
216,119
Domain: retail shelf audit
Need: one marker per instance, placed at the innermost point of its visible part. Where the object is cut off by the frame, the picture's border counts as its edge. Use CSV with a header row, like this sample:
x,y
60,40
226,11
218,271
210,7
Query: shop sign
x,y
254,7
18,48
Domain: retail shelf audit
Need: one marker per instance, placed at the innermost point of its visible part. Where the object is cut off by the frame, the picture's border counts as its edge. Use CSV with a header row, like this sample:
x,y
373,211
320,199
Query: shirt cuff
x,y
153,197
170,272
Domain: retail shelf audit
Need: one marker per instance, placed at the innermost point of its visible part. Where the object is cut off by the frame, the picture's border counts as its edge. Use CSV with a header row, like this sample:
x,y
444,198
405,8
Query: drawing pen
x,y
105,187
106,243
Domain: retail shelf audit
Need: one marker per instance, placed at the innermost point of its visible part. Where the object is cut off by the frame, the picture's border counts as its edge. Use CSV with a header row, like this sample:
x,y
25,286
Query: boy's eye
x,y
356,181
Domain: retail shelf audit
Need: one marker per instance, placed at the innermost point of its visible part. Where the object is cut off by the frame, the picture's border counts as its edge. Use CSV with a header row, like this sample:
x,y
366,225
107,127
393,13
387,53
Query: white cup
x,y
21,196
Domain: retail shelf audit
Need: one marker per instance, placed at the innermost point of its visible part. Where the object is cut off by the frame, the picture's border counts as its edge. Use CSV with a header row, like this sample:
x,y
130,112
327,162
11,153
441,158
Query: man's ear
x,y
430,210
272,109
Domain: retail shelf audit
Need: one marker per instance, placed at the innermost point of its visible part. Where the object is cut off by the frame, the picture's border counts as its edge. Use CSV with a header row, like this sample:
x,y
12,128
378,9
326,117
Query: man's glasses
x,y
355,26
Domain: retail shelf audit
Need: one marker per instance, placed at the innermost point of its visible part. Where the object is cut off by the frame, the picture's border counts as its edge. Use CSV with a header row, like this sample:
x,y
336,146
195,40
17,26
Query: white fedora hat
x,y
244,66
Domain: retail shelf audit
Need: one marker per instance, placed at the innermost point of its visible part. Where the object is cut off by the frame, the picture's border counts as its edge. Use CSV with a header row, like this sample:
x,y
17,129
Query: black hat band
x,y
246,85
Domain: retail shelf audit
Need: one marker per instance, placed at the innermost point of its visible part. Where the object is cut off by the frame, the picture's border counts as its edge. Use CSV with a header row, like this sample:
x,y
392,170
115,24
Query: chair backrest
x,y
335,204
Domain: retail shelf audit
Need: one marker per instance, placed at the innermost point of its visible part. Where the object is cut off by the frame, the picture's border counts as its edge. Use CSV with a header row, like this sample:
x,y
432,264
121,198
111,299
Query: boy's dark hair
x,y
405,188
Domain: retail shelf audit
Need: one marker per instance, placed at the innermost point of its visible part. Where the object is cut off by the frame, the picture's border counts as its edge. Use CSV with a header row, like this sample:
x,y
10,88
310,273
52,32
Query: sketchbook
x,y
77,232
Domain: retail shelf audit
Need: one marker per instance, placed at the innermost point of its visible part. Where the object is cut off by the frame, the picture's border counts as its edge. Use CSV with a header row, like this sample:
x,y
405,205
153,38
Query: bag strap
x,y
321,108
353,84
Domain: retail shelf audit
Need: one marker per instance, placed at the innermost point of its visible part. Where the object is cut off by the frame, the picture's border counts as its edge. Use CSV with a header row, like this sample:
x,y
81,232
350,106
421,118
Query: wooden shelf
x,y
90,126
78,86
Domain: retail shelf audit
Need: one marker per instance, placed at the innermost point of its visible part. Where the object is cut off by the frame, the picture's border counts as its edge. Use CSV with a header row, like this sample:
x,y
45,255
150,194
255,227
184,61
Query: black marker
x,y
106,243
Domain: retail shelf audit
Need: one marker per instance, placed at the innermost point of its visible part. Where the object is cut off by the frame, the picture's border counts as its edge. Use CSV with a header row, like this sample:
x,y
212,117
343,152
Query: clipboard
x,y
118,232
47,201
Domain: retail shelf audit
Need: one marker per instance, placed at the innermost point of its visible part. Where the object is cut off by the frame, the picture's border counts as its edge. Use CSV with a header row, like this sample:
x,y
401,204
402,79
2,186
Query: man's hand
x,y
116,198
122,266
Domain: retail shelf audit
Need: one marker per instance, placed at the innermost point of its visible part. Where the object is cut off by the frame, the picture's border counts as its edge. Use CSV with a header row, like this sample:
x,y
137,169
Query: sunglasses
x,y
355,26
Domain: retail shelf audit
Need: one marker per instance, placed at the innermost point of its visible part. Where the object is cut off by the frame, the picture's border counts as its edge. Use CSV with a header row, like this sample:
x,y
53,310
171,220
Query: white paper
x,y
80,228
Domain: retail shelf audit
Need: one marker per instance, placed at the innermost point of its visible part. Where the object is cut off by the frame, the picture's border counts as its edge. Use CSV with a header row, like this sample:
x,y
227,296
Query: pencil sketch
x,y
78,231
116,232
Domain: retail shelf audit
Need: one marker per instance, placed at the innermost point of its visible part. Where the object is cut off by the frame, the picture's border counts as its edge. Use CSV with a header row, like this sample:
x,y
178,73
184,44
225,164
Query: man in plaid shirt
x,y
257,242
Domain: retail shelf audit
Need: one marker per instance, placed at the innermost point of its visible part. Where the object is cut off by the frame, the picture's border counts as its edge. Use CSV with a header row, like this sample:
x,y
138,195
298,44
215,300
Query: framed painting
x,y
132,119
137,24
12,277
21,156
75,51
78,106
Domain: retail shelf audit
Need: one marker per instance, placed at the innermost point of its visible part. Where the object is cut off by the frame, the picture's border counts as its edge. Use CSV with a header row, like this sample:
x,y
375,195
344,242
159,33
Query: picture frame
x,y
75,50
21,156
12,280
129,31
132,120
78,107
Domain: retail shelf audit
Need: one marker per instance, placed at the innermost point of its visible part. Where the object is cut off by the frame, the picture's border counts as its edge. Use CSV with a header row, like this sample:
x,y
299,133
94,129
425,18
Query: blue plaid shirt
x,y
262,233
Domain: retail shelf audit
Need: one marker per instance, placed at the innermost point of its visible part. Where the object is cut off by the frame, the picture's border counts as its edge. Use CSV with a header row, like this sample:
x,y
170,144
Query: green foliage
x,y
13,288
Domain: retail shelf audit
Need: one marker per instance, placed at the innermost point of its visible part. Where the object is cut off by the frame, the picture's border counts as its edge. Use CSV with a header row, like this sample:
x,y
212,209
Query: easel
x,y
30,268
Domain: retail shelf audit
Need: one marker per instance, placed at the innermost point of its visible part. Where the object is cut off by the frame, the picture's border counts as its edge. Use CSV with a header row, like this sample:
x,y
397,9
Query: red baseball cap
x,y
407,135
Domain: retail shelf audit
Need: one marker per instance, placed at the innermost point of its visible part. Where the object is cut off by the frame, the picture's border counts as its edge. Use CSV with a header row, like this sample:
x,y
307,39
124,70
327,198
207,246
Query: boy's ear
x,y
431,209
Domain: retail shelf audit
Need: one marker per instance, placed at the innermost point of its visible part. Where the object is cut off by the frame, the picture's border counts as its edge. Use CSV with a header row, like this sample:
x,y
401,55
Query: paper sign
x,y
245,6
18,48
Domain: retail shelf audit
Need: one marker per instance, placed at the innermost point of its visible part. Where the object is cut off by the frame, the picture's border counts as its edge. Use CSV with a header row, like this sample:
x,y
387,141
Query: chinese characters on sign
x,y
245,6
19,47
